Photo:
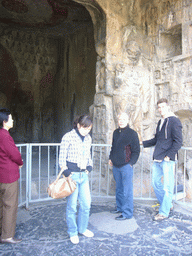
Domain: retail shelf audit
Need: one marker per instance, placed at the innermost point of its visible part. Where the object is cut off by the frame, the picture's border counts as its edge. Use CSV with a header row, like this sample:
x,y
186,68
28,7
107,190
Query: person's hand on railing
x,y
110,162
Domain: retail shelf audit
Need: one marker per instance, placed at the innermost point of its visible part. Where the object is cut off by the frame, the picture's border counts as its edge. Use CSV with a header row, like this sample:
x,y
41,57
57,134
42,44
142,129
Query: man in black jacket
x,y
124,154
167,142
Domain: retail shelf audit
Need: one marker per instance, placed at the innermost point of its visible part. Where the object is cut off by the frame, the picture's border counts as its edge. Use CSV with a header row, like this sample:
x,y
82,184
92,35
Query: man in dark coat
x,y
124,154
167,142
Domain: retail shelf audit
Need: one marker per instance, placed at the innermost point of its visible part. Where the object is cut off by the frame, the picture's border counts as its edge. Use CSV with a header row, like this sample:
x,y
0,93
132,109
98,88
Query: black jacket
x,y
168,140
125,147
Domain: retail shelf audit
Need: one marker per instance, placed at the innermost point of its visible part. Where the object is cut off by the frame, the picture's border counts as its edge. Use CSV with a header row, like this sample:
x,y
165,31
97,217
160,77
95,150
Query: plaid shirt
x,y
74,150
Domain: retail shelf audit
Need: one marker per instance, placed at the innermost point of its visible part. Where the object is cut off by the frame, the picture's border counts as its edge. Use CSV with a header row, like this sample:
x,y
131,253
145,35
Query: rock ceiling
x,y
43,14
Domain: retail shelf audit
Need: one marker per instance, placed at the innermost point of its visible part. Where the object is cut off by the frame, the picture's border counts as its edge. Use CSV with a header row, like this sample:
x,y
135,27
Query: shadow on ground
x,y
44,232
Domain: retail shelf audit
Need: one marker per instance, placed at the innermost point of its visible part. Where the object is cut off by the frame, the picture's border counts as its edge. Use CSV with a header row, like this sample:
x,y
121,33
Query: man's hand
x,y
110,162
167,159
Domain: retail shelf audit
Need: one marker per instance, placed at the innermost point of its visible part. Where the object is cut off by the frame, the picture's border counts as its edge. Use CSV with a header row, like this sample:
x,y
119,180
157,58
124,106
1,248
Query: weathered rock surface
x,y
61,58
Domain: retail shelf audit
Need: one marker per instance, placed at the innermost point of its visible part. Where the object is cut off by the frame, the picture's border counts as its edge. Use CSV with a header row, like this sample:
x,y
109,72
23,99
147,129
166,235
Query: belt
x,y
80,171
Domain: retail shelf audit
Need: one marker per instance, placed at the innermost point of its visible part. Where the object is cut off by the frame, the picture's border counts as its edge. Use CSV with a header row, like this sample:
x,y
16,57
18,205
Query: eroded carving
x,y
132,88
100,74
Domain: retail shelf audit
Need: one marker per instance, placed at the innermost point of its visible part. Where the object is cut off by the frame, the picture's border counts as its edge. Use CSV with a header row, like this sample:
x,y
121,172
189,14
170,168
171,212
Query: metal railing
x,y
184,177
24,175
41,168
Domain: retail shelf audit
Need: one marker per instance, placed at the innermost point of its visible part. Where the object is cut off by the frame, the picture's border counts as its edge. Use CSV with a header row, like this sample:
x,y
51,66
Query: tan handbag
x,y
61,187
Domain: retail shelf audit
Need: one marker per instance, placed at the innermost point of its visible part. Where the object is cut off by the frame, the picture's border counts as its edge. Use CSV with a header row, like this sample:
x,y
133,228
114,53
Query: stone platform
x,y
44,232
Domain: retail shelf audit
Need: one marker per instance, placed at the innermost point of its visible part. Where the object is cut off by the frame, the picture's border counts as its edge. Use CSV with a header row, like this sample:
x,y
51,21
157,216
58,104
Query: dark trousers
x,y
8,208
124,189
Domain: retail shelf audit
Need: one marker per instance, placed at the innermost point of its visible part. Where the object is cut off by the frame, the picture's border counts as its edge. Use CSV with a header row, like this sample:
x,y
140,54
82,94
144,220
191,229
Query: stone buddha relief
x,y
132,93
133,52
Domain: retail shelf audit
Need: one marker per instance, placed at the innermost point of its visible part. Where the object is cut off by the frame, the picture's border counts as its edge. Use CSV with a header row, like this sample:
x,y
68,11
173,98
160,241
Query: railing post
x,y
141,181
20,180
27,174
185,160
30,170
176,169
92,155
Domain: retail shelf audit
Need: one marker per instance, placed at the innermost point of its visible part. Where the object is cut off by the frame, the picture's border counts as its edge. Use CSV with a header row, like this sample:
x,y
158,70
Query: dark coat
x,y
168,140
125,147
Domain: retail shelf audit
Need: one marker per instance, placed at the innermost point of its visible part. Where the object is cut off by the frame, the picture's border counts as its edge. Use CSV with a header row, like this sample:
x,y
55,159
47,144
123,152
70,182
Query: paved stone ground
x,y
44,232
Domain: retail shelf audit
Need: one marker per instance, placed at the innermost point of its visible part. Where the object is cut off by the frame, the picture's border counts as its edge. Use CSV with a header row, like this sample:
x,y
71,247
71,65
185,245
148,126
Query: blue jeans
x,y
164,192
124,189
82,194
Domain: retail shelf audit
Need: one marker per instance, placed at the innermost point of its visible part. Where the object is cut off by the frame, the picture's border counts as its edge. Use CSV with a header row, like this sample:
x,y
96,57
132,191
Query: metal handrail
x,y
41,167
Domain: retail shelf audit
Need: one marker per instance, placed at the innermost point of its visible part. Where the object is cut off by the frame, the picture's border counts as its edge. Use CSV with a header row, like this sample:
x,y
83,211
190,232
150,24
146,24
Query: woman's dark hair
x,y
4,116
83,120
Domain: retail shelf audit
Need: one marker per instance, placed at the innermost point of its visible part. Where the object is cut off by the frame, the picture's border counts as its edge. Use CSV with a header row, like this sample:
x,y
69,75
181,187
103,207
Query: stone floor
x,y
44,232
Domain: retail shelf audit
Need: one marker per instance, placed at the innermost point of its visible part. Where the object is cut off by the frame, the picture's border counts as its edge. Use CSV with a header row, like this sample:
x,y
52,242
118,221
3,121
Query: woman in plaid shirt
x,y
75,158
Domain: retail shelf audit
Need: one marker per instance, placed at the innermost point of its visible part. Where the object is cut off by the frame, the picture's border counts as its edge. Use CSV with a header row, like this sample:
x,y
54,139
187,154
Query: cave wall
x,y
137,52
143,52
46,81
75,79
29,96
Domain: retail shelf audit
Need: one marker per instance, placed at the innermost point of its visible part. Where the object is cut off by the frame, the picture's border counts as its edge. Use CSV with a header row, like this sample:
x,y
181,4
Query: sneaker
x,y
156,207
88,233
159,217
10,240
74,239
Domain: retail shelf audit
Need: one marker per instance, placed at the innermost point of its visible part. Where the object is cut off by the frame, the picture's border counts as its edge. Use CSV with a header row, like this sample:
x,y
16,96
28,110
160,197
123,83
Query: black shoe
x,y
115,211
10,241
121,217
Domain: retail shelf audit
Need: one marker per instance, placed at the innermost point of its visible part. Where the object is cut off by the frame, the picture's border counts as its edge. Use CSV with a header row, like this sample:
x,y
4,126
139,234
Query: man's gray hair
x,y
123,114
163,100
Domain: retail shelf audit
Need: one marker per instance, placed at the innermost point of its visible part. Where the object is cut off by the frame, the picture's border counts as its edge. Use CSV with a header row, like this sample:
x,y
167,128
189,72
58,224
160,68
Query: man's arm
x,y
176,133
149,143
153,141
111,152
135,150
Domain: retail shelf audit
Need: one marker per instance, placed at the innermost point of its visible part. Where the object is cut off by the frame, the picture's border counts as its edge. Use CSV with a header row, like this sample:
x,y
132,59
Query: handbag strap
x,y
58,176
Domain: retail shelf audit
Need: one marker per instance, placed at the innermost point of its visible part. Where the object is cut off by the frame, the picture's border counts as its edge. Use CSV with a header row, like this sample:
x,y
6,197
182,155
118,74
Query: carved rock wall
x,y
147,55
75,80
46,81
30,90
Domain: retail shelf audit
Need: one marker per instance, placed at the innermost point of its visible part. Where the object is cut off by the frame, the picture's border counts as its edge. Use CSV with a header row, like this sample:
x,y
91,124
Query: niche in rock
x,y
171,42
